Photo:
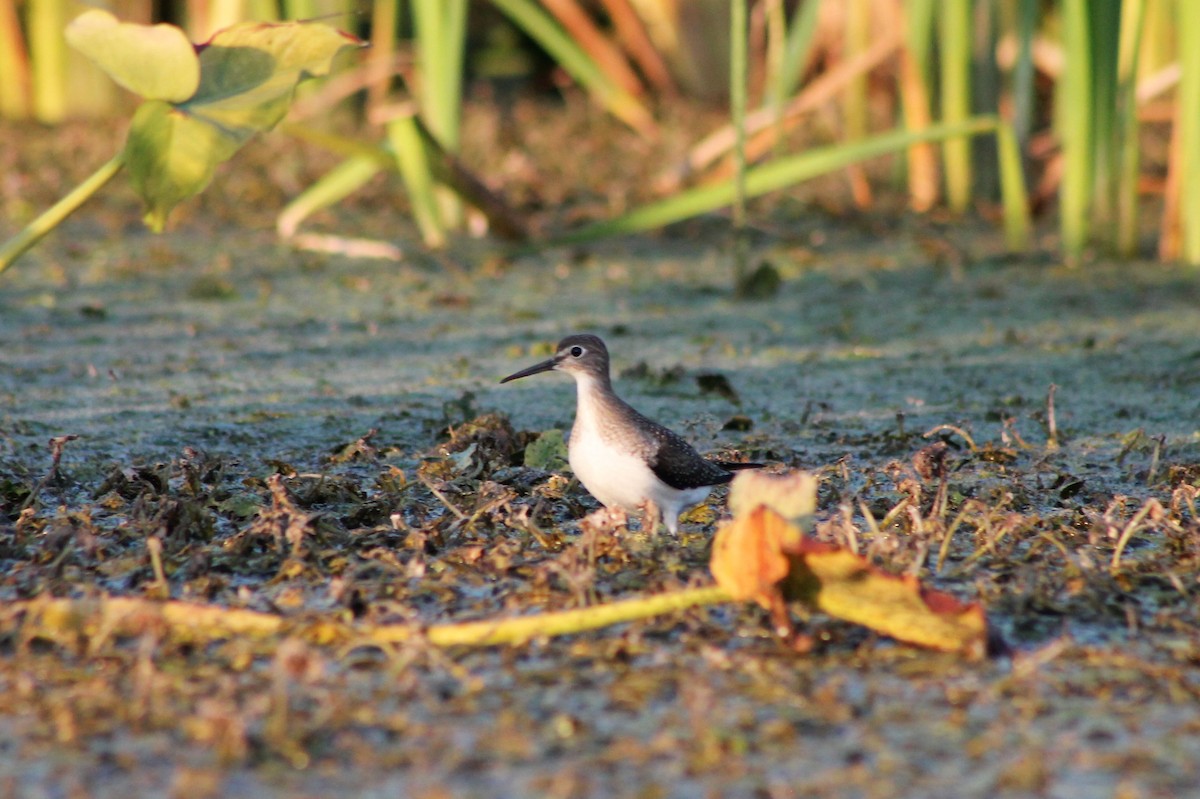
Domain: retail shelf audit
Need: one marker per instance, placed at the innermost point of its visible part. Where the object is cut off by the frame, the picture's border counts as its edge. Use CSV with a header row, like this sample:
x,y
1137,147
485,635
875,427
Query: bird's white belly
x,y
618,478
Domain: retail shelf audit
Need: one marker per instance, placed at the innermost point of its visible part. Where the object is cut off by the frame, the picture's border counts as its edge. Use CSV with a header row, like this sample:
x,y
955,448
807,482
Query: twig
x,y
1051,422
949,534
1131,528
444,500
57,444
952,429
155,548
1160,441
851,533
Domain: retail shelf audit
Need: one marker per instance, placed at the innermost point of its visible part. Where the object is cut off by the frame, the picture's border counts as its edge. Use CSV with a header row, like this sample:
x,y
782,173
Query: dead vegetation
x,y
320,450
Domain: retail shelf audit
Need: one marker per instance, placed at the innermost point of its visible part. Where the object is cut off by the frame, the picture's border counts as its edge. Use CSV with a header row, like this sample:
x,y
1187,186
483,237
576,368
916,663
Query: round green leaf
x,y
155,61
171,156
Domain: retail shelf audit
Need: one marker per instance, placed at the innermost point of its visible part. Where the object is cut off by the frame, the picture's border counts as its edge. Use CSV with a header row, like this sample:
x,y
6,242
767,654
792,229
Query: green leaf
x,y
547,452
171,157
249,72
248,75
154,61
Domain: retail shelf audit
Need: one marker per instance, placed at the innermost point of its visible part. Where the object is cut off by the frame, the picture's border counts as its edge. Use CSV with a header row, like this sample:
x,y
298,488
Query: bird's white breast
x,y
613,474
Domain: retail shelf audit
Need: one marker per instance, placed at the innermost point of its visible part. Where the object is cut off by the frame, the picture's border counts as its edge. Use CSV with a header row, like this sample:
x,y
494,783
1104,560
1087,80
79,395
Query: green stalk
x,y
413,162
1104,44
795,53
519,629
1074,110
915,92
785,172
738,32
299,9
440,28
531,18
1022,81
385,18
1013,196
60,619
262,10
784,79
335,185
984,96
441,39
48,59
32,233
1189,128
858,35
1125,199
954,29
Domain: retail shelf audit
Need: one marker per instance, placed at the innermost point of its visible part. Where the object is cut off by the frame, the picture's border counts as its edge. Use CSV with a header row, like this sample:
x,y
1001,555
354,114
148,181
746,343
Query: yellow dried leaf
x,y
847,587
763,555
793,495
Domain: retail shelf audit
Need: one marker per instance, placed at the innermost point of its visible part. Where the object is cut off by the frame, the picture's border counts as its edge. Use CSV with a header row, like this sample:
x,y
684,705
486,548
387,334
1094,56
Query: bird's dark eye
x,y
576,352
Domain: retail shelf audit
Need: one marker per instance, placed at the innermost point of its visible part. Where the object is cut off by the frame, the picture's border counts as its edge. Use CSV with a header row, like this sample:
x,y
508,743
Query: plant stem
x,y
955,38
785,172
1189,129
63,619
737,105
522,628
1074,109
32,233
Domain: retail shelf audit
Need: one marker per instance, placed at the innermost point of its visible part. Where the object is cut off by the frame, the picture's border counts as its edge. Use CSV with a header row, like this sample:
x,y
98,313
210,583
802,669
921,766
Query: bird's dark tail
x,y
733,466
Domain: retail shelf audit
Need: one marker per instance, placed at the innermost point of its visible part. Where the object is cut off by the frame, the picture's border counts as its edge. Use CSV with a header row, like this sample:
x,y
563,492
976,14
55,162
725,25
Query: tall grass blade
x,y
405,139
385,16
1104,44
332,187
984,96
635,39
917,23
954,40
441,28
541,27
738,32
1022,81
1014,196
762,124
48,59
796,50
1189,129
441,39
1133,16
854,101
600,48
1073,108
14,65
300,9
785,172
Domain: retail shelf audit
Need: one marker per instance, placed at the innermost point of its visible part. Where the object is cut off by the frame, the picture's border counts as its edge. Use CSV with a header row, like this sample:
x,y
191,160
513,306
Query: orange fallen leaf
x,y
762,555
748,557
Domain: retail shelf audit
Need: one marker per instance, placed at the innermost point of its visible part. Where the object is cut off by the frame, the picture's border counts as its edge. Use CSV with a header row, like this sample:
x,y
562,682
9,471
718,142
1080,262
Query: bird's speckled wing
x,y
673,460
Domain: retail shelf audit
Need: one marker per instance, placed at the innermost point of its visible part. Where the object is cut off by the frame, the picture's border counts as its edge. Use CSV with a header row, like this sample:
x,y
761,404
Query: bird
x,y
622,458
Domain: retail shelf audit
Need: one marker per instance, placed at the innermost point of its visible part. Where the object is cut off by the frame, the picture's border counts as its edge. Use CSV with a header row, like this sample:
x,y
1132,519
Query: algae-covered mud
x,y
151,389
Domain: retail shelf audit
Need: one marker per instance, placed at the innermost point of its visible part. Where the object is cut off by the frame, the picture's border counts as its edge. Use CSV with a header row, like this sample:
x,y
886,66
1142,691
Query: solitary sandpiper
x,y
621,457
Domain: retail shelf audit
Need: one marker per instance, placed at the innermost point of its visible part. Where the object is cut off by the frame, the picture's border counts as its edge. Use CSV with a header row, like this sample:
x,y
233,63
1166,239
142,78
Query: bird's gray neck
x,y
595,399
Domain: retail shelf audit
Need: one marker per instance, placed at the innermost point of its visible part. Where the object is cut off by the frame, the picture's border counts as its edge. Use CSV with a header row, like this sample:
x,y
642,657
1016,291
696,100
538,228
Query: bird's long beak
x,y
544,366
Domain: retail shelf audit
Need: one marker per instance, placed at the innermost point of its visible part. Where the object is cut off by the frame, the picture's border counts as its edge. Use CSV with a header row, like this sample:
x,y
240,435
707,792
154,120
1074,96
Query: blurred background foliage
x,y
1094,105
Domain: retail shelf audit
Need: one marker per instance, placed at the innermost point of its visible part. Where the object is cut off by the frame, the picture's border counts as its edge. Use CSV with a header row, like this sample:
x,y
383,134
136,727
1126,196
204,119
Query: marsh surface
x,y
192,367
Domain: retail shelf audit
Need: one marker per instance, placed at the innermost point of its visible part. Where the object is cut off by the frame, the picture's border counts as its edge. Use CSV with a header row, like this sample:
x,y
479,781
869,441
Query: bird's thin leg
x,y
650,517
